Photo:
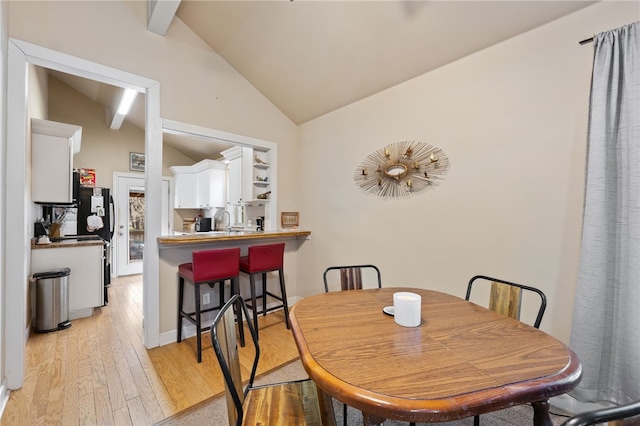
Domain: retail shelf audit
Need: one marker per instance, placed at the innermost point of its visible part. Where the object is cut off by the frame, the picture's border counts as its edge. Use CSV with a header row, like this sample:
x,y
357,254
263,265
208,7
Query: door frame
x,y
17,246
115,247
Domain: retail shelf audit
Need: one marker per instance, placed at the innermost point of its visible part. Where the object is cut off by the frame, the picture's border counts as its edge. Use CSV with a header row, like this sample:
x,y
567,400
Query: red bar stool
x,y
260,260
207,267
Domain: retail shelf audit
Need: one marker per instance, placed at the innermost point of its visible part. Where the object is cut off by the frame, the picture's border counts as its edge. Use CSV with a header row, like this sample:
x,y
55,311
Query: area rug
x,y
214,410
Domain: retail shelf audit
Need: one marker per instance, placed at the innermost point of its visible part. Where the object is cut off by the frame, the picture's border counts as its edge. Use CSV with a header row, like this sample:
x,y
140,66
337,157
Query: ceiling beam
x,y
160,15
120,109
114,120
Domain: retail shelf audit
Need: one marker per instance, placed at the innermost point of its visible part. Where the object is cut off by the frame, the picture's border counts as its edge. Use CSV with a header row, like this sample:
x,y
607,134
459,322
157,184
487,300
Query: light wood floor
x,y
97,372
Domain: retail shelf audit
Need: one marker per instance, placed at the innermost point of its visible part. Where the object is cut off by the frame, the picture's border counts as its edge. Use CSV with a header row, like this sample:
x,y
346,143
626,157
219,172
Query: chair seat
x,y
293,403
186,270
244,264
299,403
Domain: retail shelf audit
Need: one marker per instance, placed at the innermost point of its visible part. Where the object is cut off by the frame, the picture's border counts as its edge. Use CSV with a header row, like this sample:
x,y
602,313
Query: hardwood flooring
x,y
97,372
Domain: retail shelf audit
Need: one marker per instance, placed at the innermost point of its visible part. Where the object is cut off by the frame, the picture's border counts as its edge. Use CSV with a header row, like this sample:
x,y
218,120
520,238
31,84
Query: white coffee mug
x,y
407,309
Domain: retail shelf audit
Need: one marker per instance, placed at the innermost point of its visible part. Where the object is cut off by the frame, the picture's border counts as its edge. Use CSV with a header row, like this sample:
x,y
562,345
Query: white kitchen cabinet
x,y
86,289
250,174
185,191
200,186
240,174
53,145
210,185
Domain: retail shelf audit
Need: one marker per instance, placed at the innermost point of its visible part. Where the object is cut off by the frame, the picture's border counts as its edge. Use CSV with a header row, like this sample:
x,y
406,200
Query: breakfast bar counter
x,y
224,236
176,249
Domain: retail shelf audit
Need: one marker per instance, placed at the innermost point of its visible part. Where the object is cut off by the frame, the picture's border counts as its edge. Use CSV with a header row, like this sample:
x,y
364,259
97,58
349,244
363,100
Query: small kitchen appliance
x,y
203,224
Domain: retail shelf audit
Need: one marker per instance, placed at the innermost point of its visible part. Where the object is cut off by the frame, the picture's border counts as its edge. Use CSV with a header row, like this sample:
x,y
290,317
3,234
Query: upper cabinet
x,y
249,175
184,189
239,159
200,186
53,145
211,185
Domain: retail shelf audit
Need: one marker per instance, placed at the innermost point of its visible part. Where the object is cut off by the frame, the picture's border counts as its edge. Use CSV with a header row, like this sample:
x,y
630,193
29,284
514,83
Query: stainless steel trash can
x,y
52,300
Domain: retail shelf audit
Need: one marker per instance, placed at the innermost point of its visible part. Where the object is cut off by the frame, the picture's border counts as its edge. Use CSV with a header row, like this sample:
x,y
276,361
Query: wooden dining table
x,y
462,360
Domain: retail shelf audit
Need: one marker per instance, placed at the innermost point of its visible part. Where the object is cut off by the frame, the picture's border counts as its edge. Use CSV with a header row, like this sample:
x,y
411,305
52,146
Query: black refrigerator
x,y
94,201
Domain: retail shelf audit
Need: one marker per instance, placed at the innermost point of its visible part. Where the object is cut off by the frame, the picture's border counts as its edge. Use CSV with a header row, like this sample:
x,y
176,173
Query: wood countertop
x,y
66,243
222,236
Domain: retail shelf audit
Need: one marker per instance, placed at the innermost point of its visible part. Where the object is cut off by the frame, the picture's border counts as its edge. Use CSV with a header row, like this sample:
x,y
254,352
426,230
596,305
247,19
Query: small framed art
x,y
290,220
136,162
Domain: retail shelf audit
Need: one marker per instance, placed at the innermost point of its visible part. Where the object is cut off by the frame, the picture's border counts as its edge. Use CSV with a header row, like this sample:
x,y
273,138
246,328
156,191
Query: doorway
x,y
20,56
130,221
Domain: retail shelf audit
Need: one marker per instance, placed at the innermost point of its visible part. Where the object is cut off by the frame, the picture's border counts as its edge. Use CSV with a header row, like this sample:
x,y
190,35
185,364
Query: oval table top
x,y
462,359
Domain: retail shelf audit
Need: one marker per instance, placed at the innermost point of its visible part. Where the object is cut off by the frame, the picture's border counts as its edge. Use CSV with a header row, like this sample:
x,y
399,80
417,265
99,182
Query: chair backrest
x,y
506,297
608,414
266,257
223,339
351,277
210,265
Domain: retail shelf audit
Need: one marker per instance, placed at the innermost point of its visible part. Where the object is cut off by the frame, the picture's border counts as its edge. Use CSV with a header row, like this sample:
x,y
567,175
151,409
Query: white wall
x,y
512,120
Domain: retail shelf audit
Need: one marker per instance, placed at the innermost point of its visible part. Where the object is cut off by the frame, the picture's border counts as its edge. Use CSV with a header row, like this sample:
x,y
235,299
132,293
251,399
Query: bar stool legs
x,y
212,267
259,261
282,298
180,305
196,316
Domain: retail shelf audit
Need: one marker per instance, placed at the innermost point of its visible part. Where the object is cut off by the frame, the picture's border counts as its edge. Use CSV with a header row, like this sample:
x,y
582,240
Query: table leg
x,y
371,420
541,413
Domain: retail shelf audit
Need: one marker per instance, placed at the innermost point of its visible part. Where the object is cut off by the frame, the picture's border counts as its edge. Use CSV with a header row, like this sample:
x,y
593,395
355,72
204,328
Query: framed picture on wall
x,y
136,162
290,220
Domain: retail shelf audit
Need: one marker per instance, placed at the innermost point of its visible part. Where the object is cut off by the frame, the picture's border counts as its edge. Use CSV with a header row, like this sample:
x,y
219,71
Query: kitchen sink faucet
x,y
228,219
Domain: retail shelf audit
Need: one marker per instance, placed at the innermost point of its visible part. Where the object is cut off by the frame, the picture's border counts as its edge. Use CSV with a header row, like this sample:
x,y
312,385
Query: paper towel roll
x,y
407,308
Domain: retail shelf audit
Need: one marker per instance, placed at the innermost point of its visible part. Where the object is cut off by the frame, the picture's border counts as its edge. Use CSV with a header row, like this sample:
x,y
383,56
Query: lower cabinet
x,y
86,289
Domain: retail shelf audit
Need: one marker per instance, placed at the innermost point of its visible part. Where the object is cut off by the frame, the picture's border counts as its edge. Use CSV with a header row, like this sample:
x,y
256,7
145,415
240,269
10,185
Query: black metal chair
x,y
608,414
506,298
299,402
350,279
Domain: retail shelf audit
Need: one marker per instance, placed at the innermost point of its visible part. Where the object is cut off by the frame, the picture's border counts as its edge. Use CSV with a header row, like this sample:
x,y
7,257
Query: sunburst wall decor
x,y
401,170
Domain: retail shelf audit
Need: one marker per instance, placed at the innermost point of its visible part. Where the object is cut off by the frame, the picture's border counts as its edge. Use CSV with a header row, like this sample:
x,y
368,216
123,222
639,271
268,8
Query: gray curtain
x,y
606,321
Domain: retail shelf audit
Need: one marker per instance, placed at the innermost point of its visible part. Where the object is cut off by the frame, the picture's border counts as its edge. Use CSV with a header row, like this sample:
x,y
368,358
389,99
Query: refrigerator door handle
x,y
112,209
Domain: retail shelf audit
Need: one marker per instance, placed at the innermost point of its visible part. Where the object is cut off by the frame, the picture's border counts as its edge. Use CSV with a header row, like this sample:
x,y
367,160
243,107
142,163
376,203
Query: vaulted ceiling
x,y
312,57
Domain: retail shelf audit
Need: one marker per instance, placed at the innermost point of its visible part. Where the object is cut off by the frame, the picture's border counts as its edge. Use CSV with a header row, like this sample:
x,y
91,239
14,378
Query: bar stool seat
x,y
209,267
260,260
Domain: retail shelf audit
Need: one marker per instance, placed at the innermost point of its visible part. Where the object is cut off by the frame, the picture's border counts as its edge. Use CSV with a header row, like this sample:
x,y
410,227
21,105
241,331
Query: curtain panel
x,y
606,322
